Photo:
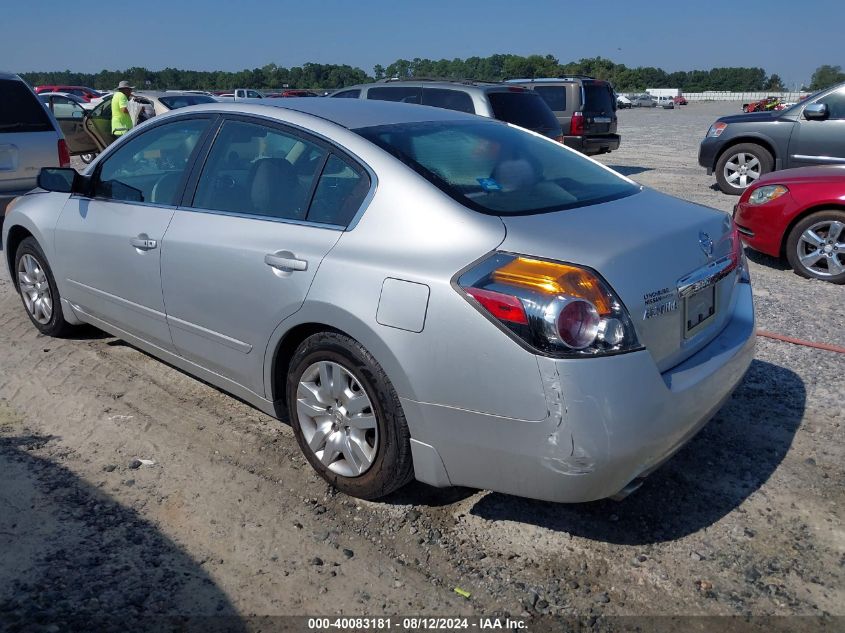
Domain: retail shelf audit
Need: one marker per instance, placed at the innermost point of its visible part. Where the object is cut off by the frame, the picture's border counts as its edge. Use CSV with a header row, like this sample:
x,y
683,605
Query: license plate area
x,y
699,310
601,119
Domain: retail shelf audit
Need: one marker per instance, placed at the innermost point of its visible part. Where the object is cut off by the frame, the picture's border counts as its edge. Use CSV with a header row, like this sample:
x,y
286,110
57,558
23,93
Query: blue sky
x,y
788,38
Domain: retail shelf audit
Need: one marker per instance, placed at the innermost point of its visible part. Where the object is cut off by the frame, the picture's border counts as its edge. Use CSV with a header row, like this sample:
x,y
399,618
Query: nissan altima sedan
x,y
419,292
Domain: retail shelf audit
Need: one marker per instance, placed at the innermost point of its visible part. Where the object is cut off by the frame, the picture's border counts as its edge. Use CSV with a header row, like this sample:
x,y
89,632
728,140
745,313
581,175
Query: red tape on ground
x,y
798,341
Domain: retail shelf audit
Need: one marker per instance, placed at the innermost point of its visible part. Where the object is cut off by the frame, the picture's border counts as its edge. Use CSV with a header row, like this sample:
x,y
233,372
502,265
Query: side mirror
x,y
62,180
816,112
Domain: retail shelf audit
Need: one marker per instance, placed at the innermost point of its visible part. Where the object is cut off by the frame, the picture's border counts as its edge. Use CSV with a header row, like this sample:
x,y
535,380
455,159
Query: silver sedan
x,y
418,292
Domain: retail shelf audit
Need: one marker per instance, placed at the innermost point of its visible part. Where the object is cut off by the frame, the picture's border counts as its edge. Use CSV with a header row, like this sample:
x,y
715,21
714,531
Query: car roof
x,y
469,85
348,113
8,75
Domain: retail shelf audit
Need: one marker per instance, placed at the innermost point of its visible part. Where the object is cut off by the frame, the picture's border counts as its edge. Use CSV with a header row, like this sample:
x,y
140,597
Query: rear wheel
x,y
38,290
347,417
815,247
741,165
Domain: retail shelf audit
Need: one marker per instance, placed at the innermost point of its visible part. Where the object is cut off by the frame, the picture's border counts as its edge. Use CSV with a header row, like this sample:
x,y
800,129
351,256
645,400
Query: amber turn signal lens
x,y
554,279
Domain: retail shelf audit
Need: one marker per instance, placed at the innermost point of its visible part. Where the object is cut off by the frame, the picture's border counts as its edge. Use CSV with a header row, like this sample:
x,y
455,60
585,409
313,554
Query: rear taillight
x,y
738,259
558,309
576,124
64,154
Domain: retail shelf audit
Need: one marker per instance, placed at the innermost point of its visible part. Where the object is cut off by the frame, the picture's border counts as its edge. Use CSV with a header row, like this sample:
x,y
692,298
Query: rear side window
x,y
524,109
554,96
20,110
340,192
258,170
403,94
448,99
347,94
598,98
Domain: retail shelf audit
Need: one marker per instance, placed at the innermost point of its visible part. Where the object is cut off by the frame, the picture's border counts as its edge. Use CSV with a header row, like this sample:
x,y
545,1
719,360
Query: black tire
x,y
56,326
795,247
392,466
761,154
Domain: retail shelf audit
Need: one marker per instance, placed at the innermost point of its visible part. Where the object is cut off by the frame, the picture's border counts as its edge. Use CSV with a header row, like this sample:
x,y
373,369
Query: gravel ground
x,y
231,521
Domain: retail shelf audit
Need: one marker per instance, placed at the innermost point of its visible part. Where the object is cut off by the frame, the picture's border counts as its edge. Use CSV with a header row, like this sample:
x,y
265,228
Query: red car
x,y
680,100
768,103
798,214
80,91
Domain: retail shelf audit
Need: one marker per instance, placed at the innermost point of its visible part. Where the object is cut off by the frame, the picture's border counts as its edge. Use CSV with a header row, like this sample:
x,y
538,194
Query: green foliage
x,y
493,68
826,76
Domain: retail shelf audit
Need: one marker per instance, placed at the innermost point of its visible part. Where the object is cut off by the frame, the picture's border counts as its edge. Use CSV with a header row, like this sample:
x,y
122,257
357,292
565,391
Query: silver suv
x,y
585,108
29,139
512,104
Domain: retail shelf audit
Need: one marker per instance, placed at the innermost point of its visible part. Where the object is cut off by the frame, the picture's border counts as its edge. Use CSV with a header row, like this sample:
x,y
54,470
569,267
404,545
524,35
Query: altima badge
x,y
706,244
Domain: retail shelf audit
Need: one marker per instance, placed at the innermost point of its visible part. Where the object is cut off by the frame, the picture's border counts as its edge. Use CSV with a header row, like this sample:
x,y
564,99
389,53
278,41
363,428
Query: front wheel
x,y
815,247
38,290
741,165
347,417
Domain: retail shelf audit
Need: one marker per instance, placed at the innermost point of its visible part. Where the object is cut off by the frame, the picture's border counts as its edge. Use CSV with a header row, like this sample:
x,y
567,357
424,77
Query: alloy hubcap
x,y
821,249
742,169
35,289
337,419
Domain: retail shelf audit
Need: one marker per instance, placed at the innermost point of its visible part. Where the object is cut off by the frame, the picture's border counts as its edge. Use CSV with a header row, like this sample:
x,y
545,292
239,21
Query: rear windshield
x,y
20,111
598,98
182,101
524,109
498,169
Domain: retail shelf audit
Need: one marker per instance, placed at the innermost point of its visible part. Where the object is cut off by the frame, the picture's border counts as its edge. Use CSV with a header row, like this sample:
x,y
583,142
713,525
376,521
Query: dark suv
x,y
585,108
511,104
742,147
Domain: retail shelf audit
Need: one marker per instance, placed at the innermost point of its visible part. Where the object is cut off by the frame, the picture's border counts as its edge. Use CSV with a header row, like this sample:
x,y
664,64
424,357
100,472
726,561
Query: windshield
x,y
498,169
182,101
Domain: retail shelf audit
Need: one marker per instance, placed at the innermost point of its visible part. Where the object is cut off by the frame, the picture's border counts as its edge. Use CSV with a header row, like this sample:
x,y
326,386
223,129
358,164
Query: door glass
x,y
404,94
66,109
149,167
835,103
347,94
339,194
554,96
448,99
258,170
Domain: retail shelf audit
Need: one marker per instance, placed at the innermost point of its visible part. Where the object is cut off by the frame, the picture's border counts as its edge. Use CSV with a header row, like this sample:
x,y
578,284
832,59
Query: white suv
x,y
29,139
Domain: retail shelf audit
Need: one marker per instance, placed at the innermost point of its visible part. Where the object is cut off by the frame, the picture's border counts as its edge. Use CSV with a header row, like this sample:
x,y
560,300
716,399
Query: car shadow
x,y
75,559
629,170
730,458
419,494
766,260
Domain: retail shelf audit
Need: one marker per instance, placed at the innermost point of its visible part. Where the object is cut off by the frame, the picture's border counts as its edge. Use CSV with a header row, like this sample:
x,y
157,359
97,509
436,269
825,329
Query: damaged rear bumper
x,y
611,421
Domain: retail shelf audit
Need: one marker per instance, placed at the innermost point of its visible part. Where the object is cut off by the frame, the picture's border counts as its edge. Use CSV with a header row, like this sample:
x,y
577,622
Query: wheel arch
x,y
765,143
824,206
323,318
16,234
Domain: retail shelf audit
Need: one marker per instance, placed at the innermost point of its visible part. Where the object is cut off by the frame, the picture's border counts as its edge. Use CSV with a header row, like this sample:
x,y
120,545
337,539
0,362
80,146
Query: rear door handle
x,y
285,262
143,242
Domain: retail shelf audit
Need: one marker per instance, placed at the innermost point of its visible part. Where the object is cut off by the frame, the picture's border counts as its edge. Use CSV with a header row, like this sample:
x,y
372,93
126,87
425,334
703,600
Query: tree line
x,y
493,68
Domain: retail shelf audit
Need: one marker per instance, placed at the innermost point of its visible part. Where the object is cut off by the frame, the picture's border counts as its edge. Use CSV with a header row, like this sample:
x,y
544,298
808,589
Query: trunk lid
x,y
599,108
644,246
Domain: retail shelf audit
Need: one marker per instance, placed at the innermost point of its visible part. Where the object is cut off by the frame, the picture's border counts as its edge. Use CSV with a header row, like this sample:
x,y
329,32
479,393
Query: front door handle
x,y
285,262
143,242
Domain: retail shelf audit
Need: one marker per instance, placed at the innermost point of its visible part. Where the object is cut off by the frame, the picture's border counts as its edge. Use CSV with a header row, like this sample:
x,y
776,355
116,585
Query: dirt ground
x,y
230,520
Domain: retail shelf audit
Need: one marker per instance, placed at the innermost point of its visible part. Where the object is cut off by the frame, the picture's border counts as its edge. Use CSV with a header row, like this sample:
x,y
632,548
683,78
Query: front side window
x,y
150,166
64,108
402,94
340,192
835,103
497,169
258,170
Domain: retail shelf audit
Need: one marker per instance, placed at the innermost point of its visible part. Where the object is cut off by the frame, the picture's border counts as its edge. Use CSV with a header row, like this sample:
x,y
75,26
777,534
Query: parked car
x,y
665,102
239,94
416,290
89,94
743,147
62,100
292,93
622,102
30,139
512,104
643,100
89,132
69,111
798,214
767,103
584,107
680,100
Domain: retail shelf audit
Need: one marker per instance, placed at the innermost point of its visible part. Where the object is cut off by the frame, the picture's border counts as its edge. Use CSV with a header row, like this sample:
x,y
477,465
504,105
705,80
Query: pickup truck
x,y
239,94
